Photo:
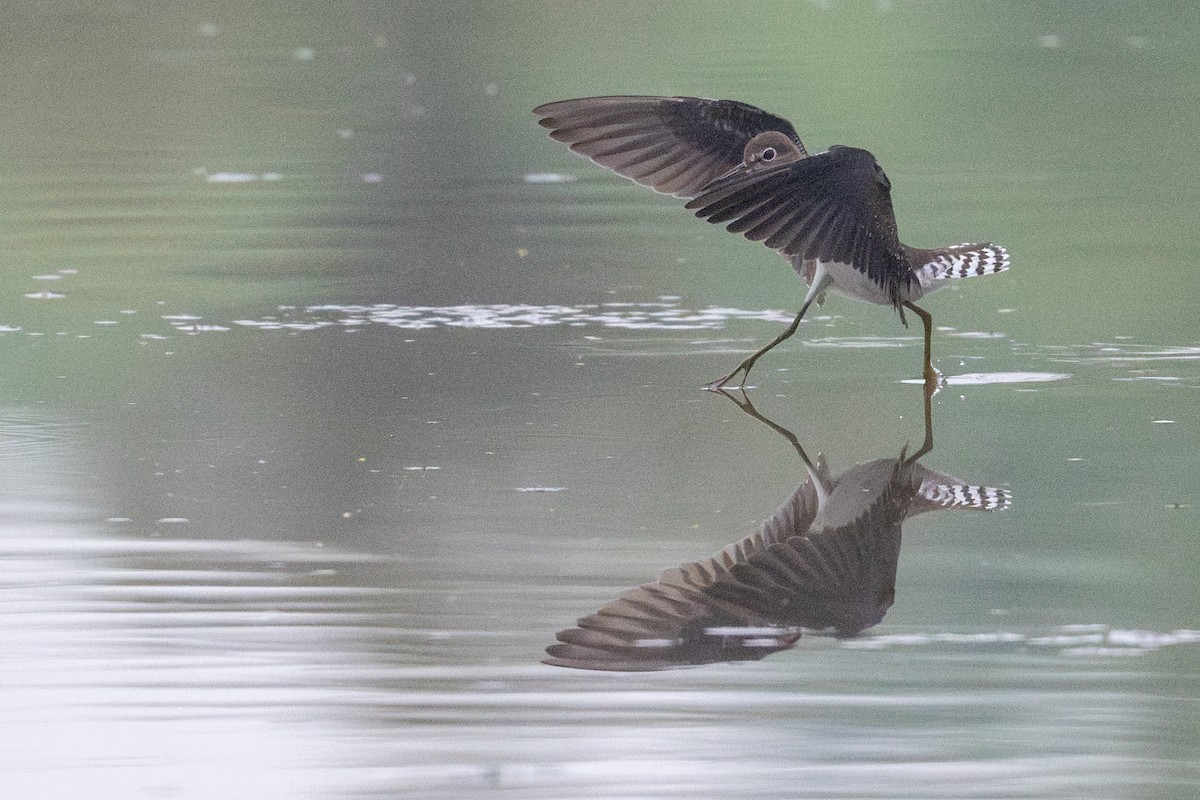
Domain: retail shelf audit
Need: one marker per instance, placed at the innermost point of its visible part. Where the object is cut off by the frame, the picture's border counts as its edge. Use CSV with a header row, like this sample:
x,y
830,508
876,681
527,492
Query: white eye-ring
x,y
768,154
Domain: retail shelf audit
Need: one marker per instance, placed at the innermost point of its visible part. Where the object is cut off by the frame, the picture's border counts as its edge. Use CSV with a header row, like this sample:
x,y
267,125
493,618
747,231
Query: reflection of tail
x,y
983,498
960,261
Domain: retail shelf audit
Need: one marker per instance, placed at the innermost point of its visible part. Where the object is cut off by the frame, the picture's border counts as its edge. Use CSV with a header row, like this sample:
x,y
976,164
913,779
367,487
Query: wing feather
x,y
835,207
656,141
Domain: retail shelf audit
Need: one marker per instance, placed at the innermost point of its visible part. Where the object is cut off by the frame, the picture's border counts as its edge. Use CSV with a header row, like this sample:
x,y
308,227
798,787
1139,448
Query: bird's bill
x,y
742,167
725,178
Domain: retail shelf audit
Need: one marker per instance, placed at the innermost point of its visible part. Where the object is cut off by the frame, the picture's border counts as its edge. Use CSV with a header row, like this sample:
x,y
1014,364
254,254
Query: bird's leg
x,y
933,378
748,362
820,282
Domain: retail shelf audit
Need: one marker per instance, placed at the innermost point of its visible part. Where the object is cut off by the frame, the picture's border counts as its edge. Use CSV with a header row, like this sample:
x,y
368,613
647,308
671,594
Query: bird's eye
x,y
768,154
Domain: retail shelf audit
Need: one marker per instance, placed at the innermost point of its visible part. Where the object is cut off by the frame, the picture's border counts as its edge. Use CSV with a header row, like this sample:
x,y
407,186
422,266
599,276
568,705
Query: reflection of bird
x,y
824,561
829,214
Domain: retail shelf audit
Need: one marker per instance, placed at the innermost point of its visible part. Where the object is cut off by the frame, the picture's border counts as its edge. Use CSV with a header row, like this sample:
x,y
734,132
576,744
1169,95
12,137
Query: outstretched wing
x,y
674,145
835,206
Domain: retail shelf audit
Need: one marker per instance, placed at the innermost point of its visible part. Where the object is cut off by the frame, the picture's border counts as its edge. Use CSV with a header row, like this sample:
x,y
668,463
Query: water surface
x,y
335,389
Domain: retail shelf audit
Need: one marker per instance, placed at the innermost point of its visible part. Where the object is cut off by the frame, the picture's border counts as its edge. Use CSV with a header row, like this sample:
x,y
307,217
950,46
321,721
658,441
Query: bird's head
x,y
769,148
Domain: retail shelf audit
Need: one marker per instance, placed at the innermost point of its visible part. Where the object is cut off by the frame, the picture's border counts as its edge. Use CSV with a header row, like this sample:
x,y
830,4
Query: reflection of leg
x,y
746,405
927,445
932,376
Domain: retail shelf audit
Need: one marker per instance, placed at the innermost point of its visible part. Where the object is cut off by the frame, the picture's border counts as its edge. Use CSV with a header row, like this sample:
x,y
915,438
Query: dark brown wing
x,y
755,597
675,621
674,145
834,206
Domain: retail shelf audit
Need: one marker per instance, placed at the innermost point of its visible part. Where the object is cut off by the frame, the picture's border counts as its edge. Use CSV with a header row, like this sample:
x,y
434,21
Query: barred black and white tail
x,y
983,498
961,261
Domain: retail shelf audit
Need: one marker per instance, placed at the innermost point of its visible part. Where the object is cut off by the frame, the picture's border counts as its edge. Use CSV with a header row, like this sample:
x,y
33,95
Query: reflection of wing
x,y
674,145
752,598
677,621
841,579
834,207
672,622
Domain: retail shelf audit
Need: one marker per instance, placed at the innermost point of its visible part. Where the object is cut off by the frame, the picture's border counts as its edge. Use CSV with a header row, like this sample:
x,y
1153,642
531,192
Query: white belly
x,y
850,282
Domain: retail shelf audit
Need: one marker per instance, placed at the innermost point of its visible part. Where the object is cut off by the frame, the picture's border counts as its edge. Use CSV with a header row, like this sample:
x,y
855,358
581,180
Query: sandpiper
x,y
829,214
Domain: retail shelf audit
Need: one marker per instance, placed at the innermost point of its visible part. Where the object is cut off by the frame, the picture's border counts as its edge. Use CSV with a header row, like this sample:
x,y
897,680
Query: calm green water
x,y
325,409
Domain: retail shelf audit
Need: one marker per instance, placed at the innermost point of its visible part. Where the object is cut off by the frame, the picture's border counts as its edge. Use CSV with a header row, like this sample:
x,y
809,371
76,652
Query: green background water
x,y
276,521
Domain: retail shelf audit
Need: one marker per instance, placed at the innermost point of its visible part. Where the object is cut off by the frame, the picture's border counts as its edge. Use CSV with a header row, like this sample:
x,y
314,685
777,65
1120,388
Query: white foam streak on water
x,y
654,315
987,378
1102,352
1066,640
984,378
548,177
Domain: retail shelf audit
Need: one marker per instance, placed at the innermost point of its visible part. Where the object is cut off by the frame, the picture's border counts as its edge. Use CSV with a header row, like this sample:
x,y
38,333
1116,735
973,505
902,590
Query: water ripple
x,y
1120,352
1084,640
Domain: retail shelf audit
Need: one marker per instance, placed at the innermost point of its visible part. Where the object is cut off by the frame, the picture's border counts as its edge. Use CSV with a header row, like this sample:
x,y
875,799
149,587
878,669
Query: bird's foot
x,y
720,384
